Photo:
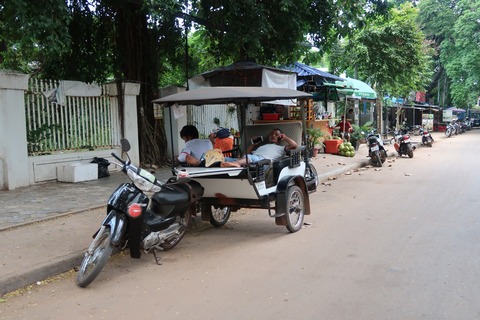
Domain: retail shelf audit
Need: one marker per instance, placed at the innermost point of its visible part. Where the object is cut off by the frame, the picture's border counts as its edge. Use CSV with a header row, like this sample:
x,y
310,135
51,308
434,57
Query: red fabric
x,y
421,96
343,124
223,144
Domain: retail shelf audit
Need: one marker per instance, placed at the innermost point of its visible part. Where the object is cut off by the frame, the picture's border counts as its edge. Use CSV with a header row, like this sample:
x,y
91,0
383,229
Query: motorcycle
x,y
403,144
427,139
376,149
450,130
144,223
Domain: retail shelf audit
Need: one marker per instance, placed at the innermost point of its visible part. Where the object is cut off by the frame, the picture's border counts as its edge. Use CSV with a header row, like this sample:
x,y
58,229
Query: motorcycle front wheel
x,y
184,220
95,258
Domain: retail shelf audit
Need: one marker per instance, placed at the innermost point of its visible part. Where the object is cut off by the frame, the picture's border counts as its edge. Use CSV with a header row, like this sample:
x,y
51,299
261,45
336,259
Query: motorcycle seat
x,y
179,193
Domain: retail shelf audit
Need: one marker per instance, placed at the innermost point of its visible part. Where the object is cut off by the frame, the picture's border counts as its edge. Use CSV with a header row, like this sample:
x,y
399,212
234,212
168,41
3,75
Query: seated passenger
x,y
271,149
194,148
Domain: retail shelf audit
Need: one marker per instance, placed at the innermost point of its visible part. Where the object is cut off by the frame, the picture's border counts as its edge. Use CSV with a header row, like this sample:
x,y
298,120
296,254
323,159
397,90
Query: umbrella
x,y
356,88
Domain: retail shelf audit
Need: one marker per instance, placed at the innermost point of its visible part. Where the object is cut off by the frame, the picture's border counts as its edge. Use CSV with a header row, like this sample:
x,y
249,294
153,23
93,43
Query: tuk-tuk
x,y
281,186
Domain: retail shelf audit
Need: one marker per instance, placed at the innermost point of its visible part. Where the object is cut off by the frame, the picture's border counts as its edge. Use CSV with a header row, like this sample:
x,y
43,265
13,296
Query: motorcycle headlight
x,y
144,180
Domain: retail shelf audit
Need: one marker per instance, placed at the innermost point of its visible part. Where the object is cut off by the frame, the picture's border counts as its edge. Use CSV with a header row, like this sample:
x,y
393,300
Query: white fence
x,y
204,117
57,120
47,125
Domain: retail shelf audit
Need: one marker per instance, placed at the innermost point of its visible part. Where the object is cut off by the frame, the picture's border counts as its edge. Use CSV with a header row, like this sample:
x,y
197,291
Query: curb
x,y
40,272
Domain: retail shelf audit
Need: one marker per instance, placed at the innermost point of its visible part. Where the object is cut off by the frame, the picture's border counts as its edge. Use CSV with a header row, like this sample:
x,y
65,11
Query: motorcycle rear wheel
x,y
101,249
378,160
184,219
410,153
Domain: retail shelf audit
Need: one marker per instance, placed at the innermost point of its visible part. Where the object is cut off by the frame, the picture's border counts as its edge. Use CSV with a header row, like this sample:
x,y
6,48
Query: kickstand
x,y
157,259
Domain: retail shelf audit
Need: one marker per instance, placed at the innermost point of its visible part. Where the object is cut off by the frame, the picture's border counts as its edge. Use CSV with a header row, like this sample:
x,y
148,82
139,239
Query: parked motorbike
x,y
427,139
145,223
450,130
376,149
403,144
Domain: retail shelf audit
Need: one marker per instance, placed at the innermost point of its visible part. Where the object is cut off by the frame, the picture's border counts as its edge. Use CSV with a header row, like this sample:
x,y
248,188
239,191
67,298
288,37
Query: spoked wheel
x,y
218,216
95,258
295,209
184,220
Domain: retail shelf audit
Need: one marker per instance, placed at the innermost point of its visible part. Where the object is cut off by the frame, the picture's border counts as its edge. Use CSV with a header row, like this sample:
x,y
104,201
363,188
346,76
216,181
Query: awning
x,y
307,74
456,110
356,89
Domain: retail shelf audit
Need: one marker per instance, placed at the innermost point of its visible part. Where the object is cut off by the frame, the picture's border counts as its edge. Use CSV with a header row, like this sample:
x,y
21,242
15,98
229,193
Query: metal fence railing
x,y
59,122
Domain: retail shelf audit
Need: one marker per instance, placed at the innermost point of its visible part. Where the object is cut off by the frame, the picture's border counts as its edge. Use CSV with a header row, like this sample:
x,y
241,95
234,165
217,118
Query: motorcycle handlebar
x,y
118,158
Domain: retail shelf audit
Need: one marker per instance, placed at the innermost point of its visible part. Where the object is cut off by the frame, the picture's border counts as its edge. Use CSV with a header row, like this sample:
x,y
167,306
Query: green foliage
x,y
32,31
453,26
359,132
39,136
390,52
275,32
313,137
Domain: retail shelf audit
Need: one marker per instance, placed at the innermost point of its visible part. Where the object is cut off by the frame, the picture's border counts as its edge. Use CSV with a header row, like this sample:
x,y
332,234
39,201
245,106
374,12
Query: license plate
x,y
374,148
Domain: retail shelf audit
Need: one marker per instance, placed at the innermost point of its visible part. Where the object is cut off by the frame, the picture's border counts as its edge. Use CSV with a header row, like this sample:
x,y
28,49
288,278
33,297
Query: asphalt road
x,y
393,243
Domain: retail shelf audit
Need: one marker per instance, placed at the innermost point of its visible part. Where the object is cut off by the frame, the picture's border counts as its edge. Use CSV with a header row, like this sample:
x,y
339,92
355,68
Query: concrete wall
x,y
17,169
13,133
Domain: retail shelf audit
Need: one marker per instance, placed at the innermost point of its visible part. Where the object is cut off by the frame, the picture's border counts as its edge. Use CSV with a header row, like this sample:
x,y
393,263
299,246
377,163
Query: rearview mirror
x,y
125,145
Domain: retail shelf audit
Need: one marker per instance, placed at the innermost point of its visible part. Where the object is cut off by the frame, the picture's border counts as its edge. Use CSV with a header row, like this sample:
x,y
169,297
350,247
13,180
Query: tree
x,y
453,25
272,31
138,40
390,52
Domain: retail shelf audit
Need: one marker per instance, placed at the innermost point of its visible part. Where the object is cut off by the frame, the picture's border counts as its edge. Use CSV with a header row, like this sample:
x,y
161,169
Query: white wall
x,y
17,169
13,133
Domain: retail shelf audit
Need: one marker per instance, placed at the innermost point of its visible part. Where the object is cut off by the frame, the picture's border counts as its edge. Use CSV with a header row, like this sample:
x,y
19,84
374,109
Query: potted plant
x,y
357,136
313,140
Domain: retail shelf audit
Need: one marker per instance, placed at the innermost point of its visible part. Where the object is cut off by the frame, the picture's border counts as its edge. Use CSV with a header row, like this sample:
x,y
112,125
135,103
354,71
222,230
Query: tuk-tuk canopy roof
x,y
224,95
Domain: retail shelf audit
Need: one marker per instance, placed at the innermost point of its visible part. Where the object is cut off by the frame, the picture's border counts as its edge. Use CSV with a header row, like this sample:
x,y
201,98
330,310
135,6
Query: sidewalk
x,y
45,229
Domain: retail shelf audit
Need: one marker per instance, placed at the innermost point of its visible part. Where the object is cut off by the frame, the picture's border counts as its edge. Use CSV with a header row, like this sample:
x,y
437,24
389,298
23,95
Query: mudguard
x,y
117,222
281,195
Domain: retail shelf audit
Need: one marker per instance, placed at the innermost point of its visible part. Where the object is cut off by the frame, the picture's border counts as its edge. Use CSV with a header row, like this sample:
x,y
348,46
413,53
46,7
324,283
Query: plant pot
x,y
313,153
331,146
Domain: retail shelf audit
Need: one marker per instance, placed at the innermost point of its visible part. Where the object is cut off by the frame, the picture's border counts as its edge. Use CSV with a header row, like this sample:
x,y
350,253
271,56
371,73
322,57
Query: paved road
x,y
396,243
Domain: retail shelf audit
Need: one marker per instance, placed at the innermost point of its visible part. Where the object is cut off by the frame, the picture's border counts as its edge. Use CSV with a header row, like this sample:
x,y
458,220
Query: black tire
x,y
295,209
378,160
410,152
184,219
383,155
95,258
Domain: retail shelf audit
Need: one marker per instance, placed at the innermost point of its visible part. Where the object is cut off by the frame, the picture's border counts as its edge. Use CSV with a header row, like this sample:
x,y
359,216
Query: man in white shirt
x,y
194,148
271,149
